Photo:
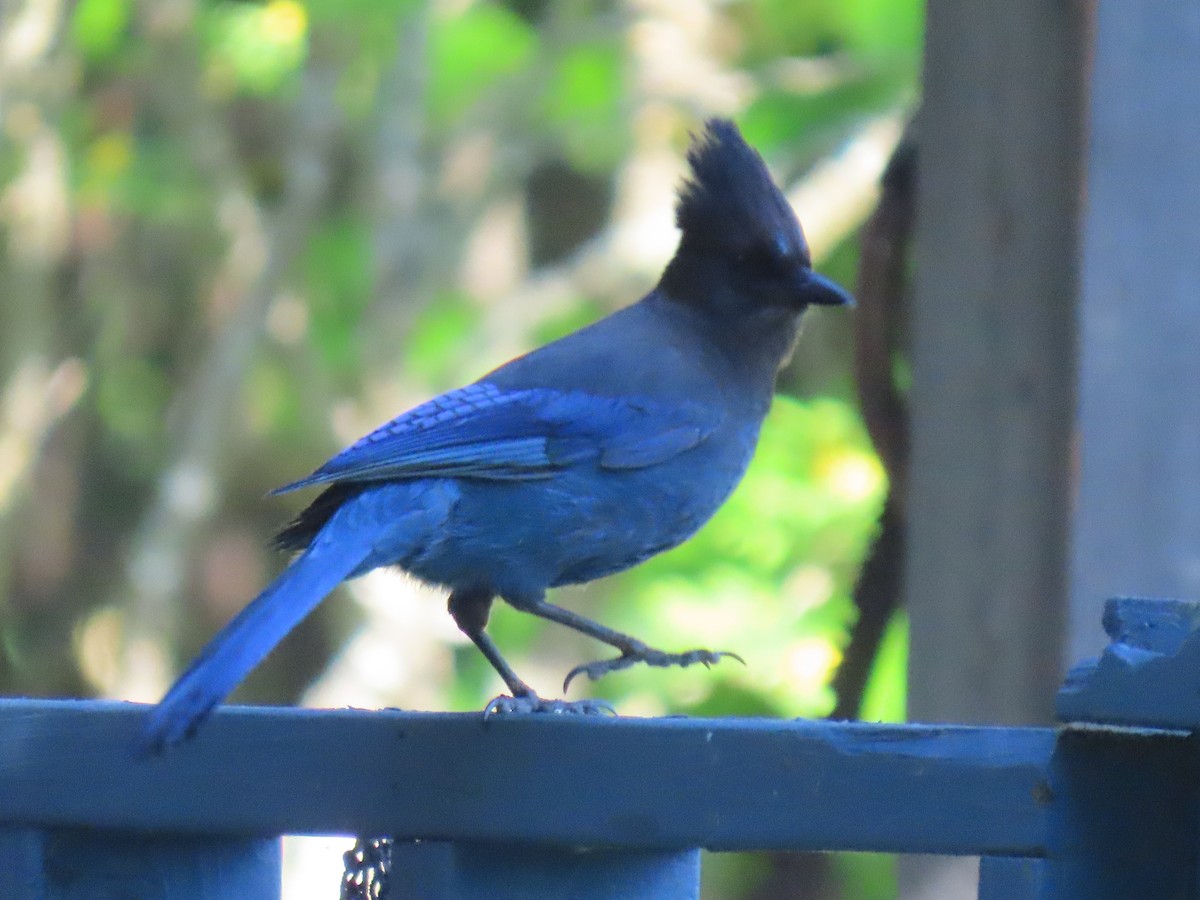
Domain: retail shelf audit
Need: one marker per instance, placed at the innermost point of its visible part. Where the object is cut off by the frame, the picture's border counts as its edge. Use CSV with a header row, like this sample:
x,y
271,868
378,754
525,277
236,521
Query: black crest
x,y
729,199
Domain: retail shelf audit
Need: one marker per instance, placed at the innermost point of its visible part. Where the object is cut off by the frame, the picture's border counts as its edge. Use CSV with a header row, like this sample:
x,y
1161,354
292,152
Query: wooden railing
x,y
541,806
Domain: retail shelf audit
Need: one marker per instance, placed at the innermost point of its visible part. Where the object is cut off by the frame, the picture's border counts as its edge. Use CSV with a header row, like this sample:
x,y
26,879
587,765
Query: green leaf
x,y
132,398
886,697
589,81
883,27
436,346
98,26
808,124
272,400
255,48
866,876
584,101
337,278
771,29
470,52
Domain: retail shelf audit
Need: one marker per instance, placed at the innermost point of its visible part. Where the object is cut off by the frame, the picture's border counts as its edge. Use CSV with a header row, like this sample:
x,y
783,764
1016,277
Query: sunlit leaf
x,y
885,698
255,48
883,26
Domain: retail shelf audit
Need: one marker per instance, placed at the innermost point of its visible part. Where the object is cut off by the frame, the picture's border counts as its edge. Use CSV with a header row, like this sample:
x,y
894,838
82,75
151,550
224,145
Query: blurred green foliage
x,y
469,53
98,27
236,231
255,48
337,271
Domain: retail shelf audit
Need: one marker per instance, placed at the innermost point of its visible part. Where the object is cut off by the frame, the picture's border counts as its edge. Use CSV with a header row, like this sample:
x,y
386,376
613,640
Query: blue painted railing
x,y
532,807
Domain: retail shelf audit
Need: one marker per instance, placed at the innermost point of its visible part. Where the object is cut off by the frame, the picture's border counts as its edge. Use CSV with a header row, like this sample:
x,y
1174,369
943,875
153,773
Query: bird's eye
x,y
763,258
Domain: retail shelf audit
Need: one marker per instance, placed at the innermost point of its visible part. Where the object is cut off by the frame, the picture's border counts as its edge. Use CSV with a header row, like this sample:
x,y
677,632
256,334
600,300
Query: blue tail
x,y
243,643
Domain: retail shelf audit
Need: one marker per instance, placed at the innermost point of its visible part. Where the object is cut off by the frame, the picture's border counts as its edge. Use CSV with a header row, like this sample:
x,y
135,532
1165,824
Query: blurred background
x,y
237,235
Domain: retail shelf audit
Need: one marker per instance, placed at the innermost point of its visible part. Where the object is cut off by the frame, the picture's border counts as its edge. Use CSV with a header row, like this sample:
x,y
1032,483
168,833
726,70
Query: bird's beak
x,y
822,291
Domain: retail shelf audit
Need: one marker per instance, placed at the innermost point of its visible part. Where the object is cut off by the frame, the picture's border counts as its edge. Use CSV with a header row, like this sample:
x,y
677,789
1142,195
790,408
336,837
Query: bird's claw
x,y
651,657
532,703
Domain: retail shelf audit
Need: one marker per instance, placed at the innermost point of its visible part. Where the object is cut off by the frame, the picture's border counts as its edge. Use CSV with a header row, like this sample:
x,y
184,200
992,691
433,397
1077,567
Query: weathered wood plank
x,y
1000,136
639,783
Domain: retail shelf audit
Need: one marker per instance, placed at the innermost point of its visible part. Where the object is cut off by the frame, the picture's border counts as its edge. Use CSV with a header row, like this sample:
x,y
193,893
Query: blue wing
x,y
482,431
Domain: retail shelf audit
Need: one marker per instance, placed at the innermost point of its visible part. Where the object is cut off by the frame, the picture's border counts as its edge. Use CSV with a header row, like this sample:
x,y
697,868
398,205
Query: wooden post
x,y
1137,528
999,138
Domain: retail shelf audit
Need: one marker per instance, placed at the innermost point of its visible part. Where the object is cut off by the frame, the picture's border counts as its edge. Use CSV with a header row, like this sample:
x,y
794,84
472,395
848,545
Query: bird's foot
x,y
642,654
532,703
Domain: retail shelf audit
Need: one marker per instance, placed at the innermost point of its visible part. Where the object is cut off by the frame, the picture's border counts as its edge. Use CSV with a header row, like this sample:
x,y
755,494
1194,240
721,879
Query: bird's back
x,y
655,348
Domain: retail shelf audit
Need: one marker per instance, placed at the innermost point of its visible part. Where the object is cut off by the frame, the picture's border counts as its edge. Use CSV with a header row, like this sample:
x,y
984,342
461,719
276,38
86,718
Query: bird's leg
x,y
632,650
469,609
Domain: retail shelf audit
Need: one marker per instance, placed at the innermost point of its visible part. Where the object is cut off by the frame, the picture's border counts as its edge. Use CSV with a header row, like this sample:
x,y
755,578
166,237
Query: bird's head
x,y
742,248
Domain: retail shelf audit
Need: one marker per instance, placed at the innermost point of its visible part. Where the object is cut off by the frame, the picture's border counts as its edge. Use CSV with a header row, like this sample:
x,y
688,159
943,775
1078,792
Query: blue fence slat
x,y
84,865
434,870
1124,820
81,864
21,872
1013,878
637,783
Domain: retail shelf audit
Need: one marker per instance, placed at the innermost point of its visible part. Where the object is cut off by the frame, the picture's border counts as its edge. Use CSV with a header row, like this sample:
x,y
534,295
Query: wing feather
x,y
482,431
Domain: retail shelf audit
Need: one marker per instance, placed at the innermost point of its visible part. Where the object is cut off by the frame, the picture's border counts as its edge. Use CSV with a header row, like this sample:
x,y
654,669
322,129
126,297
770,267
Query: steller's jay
x,y
575,461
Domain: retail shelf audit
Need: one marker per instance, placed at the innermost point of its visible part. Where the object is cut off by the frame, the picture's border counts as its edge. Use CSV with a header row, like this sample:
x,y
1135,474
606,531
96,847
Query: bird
x,y
572,462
